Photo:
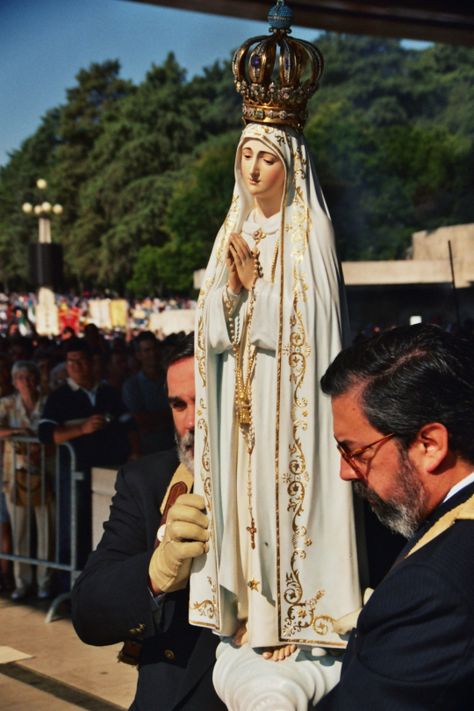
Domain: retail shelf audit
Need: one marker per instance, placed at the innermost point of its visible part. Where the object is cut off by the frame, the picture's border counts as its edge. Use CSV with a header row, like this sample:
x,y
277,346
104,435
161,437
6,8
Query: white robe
x,y
302,573
236,572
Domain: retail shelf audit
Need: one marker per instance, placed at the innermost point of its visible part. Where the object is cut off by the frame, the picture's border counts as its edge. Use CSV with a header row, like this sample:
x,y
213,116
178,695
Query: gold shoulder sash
x,y
463,512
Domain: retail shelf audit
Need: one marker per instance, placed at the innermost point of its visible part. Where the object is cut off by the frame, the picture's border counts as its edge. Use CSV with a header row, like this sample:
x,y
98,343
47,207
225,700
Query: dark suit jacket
x,y
413,649
112,602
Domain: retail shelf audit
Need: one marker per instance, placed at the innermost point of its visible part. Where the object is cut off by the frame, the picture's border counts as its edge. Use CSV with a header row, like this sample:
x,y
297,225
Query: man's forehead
x,y
350,424
347,409
180,373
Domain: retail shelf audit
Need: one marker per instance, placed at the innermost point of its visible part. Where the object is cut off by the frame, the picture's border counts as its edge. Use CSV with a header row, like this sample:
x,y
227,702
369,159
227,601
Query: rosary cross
x,y
252,530
258,235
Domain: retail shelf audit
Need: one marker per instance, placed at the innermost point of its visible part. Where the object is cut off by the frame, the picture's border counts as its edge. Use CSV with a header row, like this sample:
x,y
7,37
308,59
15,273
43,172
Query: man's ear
x,y
431,446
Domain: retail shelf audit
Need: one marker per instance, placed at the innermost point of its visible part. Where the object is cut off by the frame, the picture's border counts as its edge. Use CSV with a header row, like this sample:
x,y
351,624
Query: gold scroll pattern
x,y
298,230
209,607
205,456
301,613
200,343
299,163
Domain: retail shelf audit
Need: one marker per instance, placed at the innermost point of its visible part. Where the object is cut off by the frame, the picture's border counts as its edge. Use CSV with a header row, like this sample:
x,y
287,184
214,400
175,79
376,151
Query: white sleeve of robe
x,y
218,331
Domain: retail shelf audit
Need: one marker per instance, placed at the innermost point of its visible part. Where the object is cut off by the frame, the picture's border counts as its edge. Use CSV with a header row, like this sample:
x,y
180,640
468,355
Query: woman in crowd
x,y
27,496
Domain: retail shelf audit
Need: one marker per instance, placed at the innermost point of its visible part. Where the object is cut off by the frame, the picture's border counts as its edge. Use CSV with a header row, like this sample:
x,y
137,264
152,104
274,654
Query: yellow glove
x,y
185,538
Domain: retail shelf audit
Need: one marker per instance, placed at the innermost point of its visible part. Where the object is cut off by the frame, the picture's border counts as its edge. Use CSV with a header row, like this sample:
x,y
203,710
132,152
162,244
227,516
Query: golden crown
x,y
269,72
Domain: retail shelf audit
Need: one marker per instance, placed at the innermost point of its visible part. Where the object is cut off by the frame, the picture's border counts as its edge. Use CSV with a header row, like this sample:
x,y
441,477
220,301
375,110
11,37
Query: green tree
x,y
195,212
98,91
145,172
35,158
134,162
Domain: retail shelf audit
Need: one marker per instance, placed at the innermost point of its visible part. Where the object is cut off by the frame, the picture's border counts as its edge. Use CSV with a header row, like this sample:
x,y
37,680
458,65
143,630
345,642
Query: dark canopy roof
x,y
435,20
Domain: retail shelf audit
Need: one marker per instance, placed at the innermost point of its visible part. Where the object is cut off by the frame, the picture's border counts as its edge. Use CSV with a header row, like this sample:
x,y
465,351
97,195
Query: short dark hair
x,y
77,345
410,376
143,336
177,346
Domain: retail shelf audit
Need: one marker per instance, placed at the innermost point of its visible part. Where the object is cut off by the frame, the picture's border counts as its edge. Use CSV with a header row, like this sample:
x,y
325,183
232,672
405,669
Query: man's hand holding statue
x,y
186,535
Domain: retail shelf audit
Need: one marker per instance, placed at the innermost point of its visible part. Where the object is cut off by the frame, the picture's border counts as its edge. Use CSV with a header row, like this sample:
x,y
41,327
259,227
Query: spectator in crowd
x,y
68,317
58,376
68,333
89,413
6,385
149,578
20,347
6,581
117,369
44,361
403,405
144,394
91,416
20,415
99,365
95,339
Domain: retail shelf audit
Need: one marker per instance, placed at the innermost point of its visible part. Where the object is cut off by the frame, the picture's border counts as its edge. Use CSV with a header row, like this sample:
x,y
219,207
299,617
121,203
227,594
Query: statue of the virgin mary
x,y
271,317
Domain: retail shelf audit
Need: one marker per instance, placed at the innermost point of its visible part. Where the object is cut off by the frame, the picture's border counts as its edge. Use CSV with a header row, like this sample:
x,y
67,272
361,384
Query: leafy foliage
x,y
145,172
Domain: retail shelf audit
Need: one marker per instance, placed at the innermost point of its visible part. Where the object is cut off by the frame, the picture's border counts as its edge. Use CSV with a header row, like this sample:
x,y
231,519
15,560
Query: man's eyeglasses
x,y
351,457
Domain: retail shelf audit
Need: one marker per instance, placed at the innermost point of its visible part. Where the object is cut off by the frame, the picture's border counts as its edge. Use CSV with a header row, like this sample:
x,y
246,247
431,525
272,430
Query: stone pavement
x,y
59,673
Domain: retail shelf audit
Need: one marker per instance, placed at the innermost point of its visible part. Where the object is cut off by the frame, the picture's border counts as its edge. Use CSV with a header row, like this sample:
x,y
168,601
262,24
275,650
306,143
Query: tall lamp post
x,y
45,263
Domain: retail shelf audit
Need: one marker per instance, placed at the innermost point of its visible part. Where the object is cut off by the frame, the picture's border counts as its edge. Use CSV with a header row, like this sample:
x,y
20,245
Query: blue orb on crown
x,y
280,16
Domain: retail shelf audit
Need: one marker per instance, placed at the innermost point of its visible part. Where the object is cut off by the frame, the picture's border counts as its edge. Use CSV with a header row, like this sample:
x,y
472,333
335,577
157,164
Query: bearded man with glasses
x,y
403,407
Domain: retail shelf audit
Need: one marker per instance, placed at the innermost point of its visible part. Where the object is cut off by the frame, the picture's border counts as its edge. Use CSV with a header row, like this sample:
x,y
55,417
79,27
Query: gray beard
x,y
185,446
405,511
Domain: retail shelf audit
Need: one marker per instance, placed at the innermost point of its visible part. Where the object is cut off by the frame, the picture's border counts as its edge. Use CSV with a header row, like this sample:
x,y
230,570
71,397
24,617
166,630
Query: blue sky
x,y
44,43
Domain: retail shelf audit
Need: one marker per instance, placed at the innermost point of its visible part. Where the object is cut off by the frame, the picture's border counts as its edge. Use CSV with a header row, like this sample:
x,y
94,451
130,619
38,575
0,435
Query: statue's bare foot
x,y
278,654
275,654
241,635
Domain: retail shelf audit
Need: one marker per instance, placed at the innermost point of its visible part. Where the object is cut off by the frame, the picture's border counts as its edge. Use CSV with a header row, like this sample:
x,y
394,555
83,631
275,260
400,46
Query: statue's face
x,y
262,171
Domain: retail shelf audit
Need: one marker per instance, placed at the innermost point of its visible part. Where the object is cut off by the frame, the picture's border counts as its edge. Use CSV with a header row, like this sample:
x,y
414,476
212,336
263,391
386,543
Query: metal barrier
x,y
41,483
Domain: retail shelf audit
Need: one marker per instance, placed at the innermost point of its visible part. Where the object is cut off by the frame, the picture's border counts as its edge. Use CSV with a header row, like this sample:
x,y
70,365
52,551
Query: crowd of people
x,y
105,397
109,312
